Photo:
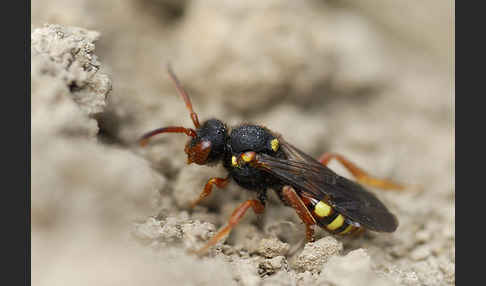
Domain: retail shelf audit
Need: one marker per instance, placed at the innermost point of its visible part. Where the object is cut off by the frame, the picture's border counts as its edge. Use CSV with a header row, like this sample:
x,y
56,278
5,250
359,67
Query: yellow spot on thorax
x,y
322,209
336,223
234,162
274,143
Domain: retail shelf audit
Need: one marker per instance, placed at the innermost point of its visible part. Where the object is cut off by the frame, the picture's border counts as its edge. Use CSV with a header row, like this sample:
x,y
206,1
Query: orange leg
x,y
237,215
296,202
219,182
361,175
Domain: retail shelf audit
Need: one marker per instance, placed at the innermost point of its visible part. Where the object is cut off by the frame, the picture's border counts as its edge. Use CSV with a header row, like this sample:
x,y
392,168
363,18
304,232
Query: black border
x,y
26,156
15,123
468,121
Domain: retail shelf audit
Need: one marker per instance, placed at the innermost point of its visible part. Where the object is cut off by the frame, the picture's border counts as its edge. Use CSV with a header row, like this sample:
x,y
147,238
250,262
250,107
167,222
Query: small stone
x,y
272,247
420,253
316,254
196,234
270,266
423,236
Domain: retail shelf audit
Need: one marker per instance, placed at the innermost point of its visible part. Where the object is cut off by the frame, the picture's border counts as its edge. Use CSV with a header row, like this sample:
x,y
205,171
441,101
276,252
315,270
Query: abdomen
x,y
328,218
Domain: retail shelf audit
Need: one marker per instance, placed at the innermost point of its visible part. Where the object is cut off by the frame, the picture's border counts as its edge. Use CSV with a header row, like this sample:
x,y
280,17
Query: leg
x,y
309,233
296,202
219,182
361,175
237,215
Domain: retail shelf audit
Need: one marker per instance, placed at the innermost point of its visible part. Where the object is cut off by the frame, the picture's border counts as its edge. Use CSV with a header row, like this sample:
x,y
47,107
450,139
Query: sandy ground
x,y
370,81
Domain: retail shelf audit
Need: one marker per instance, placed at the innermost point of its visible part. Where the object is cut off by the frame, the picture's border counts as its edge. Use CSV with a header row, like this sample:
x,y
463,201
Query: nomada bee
x,y
258,159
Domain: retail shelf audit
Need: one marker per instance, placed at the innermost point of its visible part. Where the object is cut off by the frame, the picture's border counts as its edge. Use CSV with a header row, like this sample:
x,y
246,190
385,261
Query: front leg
x,y
237,215
219,182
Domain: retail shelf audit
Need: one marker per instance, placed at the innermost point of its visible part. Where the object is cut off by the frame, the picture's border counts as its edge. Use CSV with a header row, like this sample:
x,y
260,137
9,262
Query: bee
x,y
258,159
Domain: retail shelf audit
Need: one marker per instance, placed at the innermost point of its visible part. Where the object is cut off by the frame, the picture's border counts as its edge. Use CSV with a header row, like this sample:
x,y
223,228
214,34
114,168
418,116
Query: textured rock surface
x,y
329,76
352,269
317,253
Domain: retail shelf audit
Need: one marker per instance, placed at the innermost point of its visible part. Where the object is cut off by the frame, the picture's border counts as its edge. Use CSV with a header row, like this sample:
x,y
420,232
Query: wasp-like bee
x,y
258,159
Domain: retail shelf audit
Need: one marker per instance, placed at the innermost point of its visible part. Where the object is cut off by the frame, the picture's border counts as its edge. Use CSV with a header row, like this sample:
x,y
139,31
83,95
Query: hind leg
x,y
292,198
360,175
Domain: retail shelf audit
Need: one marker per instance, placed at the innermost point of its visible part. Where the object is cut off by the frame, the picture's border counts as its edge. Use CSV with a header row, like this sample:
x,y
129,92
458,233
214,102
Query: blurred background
x,y
372,80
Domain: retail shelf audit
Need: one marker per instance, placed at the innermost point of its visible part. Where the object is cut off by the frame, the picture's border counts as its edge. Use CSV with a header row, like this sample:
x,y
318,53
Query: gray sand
x,y
369,81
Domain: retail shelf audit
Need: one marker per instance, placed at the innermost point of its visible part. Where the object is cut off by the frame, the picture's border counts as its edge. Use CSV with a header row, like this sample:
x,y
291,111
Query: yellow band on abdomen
x,y
348,229
322,209
336,223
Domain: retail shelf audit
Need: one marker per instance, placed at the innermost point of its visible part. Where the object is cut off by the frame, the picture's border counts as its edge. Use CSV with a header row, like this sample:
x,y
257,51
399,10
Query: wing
x,y
306,174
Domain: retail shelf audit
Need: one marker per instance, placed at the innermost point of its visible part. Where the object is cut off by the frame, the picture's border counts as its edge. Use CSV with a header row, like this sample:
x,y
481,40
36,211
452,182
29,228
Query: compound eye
x,y
198,153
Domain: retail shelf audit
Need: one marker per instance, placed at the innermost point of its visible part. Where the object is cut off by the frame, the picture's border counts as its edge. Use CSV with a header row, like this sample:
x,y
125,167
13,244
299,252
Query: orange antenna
x,y
171,129
184,95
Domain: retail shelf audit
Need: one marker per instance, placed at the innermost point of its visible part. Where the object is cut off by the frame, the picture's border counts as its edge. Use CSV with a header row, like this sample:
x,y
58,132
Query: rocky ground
x,y
340,77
